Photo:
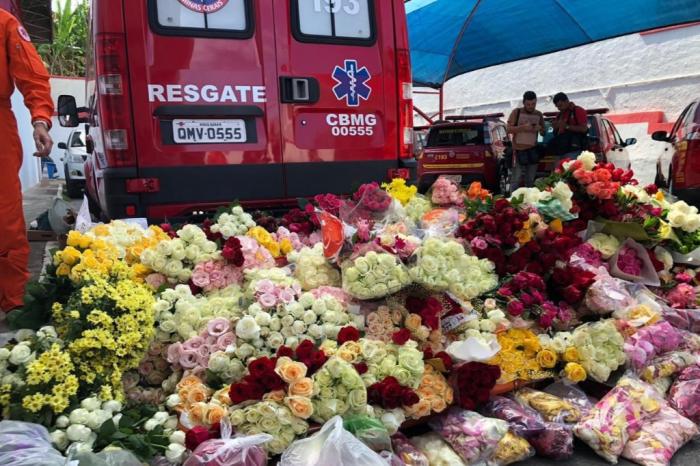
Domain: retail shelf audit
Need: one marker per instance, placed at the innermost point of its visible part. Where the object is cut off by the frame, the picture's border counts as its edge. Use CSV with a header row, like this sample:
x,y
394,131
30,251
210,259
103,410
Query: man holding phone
x,y
525,123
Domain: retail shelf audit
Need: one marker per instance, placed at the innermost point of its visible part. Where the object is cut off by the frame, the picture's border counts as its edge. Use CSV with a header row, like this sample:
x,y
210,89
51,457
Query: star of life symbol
x,y
352,83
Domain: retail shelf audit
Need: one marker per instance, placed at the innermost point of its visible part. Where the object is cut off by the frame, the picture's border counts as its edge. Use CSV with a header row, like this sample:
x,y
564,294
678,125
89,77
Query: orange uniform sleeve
x,y
29,73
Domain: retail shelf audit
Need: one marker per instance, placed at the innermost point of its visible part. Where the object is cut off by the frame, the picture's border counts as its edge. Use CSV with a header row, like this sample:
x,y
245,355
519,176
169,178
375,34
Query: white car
x,y
73,160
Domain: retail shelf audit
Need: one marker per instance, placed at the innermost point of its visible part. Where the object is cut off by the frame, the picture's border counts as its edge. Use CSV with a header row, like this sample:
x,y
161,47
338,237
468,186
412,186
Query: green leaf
x,y
107,429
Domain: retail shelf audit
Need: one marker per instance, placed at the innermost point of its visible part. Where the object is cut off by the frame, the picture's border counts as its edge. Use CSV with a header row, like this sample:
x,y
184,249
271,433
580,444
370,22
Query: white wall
x,y
657,71
30,173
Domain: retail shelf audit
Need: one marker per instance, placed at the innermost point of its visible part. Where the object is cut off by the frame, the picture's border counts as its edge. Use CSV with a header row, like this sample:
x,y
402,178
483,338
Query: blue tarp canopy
x,y
452,37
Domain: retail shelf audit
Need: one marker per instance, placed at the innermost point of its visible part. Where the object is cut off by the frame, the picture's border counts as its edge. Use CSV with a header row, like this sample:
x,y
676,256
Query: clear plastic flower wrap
x,y
447,191
473,436
511,449
607,294
556,441
660,438
522,420
571,393
374,275
684,395
667,365
437,450
407,451
684,319
26,444
648,342
552,408
370,431
331,445
227,451
632,263
444,265
618,416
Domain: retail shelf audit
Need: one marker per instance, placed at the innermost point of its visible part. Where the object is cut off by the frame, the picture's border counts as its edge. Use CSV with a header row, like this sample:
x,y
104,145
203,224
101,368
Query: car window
x,y
333,20
201,17
460,136
696,120
77,139
618,138
676,132
609,135
592,127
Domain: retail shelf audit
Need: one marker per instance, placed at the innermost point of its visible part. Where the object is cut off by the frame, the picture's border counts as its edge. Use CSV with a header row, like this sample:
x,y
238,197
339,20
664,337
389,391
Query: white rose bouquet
x,y
338,389
234,223
374,275
177,258
181,315
312,269
445,266
272,418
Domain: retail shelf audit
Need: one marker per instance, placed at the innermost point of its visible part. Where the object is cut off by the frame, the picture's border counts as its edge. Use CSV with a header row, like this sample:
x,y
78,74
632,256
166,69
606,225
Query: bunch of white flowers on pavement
x,y
234,223
78,429
180,315
177,257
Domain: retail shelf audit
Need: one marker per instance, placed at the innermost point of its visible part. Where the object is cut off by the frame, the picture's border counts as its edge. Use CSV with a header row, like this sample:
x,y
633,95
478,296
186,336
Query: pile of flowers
x,y
404,310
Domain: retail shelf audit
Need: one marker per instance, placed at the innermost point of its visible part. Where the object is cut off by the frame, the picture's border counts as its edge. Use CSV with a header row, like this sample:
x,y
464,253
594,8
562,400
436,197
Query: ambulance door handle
x,y
299,90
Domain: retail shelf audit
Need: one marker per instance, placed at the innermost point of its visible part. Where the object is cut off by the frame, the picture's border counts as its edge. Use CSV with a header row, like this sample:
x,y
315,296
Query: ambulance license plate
x,y
209,131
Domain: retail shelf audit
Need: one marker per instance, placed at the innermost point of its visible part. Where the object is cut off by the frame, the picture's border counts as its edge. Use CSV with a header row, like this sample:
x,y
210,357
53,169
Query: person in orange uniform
x,y
21,66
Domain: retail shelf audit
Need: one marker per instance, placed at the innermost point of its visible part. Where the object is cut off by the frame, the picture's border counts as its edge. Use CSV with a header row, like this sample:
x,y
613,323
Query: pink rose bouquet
x,y
193,355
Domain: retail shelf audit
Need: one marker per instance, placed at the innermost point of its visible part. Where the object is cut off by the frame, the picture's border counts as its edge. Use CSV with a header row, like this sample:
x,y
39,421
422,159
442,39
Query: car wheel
x,y
73,189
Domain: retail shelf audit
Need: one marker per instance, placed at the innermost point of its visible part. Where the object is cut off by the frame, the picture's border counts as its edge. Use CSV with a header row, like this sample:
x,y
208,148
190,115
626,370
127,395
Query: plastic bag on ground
x,y
116,457
512,449
607,294
27,444
660,438
227,451
684,319
552,408
618,416
407,451
684,396
522,420
437,450
331,445
556,441
370,431
571,393
473,436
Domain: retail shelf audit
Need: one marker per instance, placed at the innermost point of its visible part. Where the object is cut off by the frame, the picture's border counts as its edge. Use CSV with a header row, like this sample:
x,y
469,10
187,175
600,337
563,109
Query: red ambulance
x,y
195,103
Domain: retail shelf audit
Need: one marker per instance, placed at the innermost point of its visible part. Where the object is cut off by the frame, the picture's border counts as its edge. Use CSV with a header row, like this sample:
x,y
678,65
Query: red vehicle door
x,y
205,104
338,93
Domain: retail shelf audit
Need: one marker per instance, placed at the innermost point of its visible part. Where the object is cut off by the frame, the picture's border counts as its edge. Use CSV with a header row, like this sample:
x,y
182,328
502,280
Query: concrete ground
x,y
38,199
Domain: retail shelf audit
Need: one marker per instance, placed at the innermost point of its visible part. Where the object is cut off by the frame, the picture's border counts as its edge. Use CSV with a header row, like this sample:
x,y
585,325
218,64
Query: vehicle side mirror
x,y
68,111
630,142
62,145
660,136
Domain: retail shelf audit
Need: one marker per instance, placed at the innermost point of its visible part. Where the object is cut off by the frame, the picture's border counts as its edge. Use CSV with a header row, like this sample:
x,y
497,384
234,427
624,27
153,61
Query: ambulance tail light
x,y
115,106
405,104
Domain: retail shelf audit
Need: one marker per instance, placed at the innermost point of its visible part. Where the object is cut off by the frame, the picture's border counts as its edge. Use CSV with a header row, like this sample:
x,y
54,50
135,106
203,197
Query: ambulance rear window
x,y
217,18
333,21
